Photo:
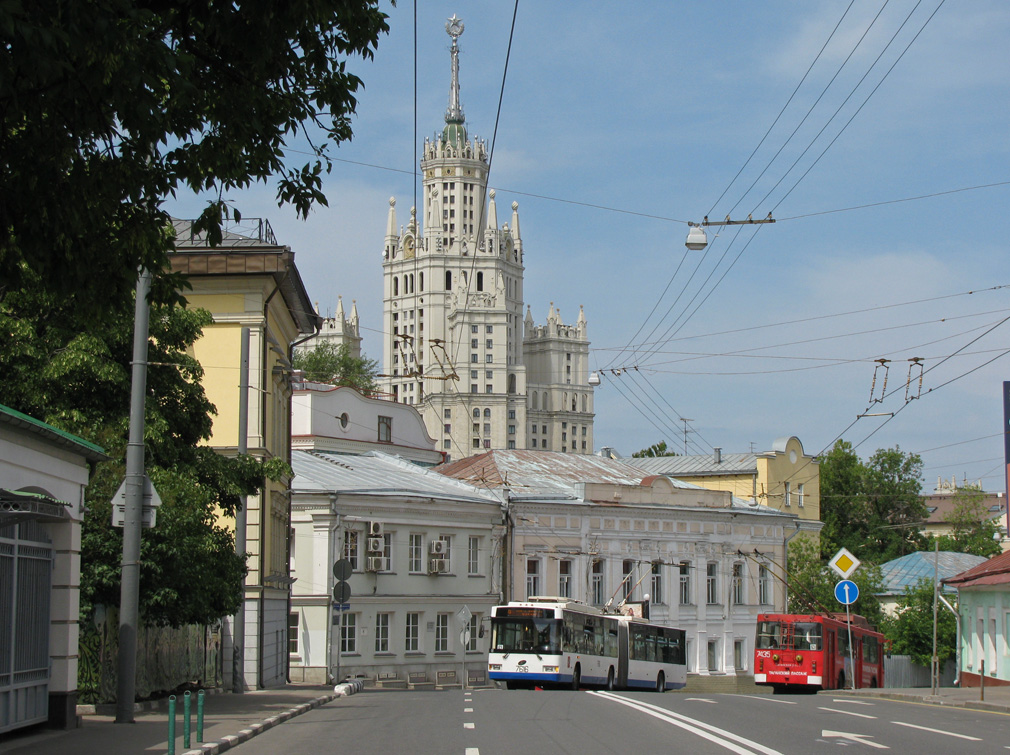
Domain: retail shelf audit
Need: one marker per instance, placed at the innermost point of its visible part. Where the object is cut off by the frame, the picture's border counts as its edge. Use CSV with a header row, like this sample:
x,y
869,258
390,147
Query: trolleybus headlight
x,y
775,657
550,669
799,658
494,667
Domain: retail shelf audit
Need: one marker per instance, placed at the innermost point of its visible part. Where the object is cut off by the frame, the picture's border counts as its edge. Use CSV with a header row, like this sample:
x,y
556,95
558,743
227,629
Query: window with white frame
x,y
788,495
415,551
799,495
764,586
447,553
656,593
349,633
597,582
628,583
293,633
565,578
473,555
712,583
351,548
412,632
442,633
685,583
736,593
382,633
472,641
387,551
532,577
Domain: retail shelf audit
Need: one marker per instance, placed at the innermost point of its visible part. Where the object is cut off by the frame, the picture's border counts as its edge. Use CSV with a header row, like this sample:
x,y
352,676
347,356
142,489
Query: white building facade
x,y
456,344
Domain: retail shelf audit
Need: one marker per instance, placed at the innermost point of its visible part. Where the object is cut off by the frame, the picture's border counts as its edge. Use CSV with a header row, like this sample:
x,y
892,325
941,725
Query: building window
x,y
415,551
351,548
711,583
713,655
487,428
657,583
476,442
473,633
442,633
532,577
473,343
476,413
447,413
512,429
488,374
293,633
473,328
764,586
447,427
534,429
385,429
412,632
447,444
685,583
382,633
543,442
473,359
737,587
512,413
387,552
488,329
349,634
473,387
473,555
628,585
597,582
489,388
788,495
511,445
489,343
738,656
799,495
565,578
487,443
489,358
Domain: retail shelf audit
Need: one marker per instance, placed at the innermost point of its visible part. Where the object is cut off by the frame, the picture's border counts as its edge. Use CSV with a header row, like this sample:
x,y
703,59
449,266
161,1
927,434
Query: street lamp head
x,y
696,238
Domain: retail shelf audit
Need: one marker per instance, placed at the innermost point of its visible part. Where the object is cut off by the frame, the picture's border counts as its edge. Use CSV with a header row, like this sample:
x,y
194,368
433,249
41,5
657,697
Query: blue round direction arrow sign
x,y
846,592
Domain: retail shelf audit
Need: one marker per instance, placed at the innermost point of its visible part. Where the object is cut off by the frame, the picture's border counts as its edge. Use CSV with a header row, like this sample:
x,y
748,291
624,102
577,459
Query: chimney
x,y
718,455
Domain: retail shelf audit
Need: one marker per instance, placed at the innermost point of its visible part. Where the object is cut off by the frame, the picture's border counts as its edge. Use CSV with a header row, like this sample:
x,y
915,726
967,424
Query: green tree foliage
x,y
329,363
812,584
656,449
108,107
76,375
911,630
875,509
972,529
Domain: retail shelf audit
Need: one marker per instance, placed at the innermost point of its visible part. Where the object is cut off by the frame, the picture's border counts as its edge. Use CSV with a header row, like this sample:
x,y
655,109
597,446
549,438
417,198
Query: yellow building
x,y
784,478
250,281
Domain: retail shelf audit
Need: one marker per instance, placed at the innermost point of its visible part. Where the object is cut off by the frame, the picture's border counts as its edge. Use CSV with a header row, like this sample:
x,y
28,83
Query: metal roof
x,y
995,571
378,474
908,570
88,450
704,464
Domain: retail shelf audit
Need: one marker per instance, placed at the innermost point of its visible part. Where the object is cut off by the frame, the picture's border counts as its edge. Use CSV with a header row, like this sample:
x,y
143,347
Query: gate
x,y
26,557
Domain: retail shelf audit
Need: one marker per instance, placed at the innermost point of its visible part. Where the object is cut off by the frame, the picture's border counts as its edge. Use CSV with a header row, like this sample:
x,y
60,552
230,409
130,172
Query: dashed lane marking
x,y
847,712
937,731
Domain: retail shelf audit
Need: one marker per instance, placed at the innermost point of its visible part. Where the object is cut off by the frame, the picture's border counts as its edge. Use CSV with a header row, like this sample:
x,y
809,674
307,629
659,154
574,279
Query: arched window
x,y
396,286
547,401
411,283
480,281
585,402
487,414
420,281
512,383
533,400
448,280
476,413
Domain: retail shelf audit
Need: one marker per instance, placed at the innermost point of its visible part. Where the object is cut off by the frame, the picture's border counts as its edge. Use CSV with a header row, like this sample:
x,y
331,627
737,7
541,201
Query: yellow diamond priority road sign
x,y
844,563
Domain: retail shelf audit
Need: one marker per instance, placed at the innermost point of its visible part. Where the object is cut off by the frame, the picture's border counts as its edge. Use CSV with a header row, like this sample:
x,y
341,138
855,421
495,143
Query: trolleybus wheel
x,y
511,685
661,682
841,680
610,679
577,677
873,683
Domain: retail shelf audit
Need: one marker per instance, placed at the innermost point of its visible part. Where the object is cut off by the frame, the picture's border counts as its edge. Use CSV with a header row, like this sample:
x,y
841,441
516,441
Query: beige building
x,y
784,478
251,281
456,343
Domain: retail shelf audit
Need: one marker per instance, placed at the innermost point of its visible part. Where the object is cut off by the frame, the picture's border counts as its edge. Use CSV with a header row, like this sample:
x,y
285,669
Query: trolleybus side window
x,y
807,636
871,650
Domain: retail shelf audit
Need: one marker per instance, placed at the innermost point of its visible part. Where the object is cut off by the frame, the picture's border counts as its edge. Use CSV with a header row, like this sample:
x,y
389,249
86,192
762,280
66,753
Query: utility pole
x,y
129,596
685,421
241,518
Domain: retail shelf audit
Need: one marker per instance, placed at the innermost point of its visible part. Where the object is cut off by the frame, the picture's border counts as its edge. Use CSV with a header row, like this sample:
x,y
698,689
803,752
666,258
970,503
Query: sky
x,y
620,123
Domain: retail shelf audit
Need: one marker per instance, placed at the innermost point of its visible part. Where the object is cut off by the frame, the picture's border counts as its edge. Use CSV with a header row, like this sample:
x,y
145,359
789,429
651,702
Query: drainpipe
x,y
957,645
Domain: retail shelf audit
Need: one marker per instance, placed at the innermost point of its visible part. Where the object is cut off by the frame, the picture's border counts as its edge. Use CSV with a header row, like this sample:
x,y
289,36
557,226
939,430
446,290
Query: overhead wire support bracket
x,y
749,221
915,365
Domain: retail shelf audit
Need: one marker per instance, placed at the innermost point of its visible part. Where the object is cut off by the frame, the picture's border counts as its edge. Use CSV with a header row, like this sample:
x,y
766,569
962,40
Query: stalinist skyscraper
x,y
456,341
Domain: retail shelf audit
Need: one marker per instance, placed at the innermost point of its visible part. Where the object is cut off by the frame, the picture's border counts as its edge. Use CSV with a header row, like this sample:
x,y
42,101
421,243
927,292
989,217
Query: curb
x,y
109,709
226,743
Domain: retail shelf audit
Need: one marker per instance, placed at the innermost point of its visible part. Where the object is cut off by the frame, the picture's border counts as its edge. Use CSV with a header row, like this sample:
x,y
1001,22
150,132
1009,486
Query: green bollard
x,y
185,720
171,725
199,716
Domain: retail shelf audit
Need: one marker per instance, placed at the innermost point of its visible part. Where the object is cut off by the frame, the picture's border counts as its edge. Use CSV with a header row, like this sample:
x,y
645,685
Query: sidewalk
x,y
228,720
997,699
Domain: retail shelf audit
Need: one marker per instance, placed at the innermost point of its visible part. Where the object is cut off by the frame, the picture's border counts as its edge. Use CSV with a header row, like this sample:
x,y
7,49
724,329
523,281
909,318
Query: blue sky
x,y
621,122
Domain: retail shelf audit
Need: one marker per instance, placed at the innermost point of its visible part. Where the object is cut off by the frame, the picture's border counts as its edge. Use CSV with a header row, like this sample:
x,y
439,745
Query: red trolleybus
x,y
797,652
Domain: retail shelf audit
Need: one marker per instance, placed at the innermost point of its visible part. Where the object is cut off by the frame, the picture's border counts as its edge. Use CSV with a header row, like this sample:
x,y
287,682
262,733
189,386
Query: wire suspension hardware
x,y
881,364
749,221
915,366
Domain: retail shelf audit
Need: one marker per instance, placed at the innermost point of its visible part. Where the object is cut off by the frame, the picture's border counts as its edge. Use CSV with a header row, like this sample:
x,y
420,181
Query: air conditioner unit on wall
x,y
438,547
375,529
438,566
376,544
374,563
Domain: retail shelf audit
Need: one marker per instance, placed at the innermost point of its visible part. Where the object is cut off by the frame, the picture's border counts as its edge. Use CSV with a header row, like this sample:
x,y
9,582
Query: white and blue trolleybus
x,y
555,642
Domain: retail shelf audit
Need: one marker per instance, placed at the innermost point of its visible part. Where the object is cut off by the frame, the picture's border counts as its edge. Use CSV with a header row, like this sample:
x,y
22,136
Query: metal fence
x,y
901,672
166,658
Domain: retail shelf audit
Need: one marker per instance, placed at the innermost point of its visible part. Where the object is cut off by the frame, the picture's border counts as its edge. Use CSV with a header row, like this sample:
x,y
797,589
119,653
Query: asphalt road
x,y
493,722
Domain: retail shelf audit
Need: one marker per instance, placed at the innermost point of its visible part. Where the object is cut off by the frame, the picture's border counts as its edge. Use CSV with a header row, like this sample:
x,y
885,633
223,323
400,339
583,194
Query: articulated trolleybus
x,y
797,652
556,642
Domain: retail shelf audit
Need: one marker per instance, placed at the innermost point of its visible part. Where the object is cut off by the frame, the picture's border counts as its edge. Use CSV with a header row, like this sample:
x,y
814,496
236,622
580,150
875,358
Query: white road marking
x,y
860,738
706,731
468,710
851,702
768,699
937,731
700,700
847,712
471,751
467,726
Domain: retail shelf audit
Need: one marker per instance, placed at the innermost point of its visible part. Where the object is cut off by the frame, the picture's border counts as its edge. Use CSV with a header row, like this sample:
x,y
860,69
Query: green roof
x,y
86,448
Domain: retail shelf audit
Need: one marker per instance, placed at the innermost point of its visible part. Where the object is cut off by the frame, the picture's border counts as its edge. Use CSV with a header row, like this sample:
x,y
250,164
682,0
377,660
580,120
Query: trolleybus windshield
x,y
526,635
